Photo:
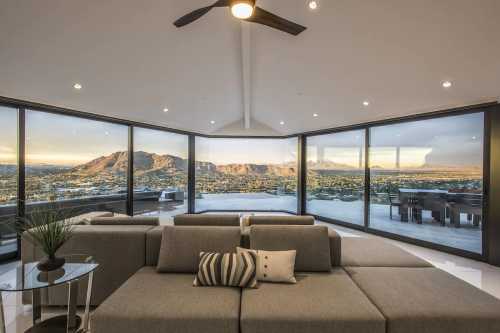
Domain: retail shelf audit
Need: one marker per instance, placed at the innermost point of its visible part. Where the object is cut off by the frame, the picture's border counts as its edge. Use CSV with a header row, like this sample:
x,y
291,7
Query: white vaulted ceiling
x,y
132,62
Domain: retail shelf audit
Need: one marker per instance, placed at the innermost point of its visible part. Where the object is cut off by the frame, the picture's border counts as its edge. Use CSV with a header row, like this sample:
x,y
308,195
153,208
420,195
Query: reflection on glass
x,y
160,172
246,174
335,176
427,180
8,181
75,164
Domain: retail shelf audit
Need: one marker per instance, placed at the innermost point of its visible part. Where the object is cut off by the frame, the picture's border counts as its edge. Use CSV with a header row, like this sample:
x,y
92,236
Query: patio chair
x,y
394,202
469,204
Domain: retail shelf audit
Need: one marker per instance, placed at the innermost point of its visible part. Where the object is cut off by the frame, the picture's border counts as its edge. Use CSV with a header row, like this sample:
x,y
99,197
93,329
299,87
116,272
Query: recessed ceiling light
x,y
446,84
313,5
366,103
165,110
282,122
212,122
315,115
77,86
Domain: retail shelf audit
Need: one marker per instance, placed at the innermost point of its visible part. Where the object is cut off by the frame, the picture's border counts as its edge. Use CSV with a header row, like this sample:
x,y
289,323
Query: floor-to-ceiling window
x,y
246,174
336,176
427,180
160,172
75,164
8,181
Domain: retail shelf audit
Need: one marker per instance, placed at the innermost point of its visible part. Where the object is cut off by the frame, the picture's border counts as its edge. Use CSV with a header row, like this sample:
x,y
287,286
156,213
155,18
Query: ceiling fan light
x,y
242,9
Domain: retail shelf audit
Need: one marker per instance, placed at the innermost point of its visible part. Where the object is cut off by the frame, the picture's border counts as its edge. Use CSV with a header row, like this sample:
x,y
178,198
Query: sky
x,y
161,143
241,151
449,141
64,140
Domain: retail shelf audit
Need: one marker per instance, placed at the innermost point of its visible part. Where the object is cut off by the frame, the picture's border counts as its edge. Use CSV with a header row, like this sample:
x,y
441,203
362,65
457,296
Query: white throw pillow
x,y
274,266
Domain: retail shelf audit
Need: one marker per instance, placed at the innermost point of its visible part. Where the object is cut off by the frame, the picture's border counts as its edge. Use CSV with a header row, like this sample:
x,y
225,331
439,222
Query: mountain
x,y
148,163
143,163
328,165
257,169
8,169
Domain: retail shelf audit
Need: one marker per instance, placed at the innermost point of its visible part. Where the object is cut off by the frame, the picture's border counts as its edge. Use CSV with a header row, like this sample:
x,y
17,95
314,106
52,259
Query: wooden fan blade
x,y
264,17
193,16
196,14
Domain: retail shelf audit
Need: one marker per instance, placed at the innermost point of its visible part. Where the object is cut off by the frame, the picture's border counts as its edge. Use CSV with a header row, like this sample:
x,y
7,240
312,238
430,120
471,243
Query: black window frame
x,y
487,108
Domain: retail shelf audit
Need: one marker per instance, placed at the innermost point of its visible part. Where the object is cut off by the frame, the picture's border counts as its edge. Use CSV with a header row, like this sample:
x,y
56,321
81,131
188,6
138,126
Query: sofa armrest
x,y
120,251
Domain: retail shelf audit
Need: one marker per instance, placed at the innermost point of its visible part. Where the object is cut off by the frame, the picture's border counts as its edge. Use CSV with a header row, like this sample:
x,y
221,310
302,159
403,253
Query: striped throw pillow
x,y
227,269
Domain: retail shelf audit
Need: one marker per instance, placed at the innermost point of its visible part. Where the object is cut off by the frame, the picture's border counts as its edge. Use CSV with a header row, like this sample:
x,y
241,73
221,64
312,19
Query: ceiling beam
x,y
246,73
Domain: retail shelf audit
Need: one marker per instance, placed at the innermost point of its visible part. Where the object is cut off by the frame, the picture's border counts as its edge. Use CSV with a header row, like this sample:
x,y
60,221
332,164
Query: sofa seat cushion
x,y
416,300
152,302
372,252
319,302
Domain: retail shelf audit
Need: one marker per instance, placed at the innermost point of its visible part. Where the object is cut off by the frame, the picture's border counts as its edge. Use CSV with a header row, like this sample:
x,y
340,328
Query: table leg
x,y
2,318
85,326
404,213
36,302
72,298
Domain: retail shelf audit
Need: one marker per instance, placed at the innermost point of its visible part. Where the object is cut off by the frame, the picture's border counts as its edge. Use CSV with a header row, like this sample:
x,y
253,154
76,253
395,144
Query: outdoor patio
x,y
467,237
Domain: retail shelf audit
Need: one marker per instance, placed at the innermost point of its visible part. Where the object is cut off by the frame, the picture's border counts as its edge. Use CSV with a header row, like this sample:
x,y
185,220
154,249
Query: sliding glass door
x,y
426,180
336,176
160,173
8,181
246,174
74,164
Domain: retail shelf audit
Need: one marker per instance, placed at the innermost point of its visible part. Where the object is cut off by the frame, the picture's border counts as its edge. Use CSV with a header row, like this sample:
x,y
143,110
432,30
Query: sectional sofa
x,y
343,284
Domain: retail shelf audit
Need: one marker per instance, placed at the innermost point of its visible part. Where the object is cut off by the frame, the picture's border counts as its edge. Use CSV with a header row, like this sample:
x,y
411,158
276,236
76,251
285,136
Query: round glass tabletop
x,y
28,276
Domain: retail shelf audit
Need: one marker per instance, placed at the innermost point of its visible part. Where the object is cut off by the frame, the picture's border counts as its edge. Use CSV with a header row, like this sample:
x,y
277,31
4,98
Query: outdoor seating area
x,y
447,208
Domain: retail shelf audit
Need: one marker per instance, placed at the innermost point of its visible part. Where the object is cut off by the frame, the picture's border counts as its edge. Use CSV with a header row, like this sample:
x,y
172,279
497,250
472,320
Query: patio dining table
x,y
438,202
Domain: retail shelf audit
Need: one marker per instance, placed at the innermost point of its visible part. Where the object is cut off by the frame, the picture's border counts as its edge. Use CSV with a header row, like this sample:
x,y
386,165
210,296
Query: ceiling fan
x,y
245,10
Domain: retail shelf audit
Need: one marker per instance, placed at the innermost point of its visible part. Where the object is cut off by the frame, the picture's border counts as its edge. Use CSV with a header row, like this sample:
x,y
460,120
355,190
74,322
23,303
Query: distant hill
x,y
146,163
257,169
328,165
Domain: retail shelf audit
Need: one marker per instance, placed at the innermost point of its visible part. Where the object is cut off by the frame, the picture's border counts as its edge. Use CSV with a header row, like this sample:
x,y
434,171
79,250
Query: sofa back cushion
x,y
126,220
311,243
220,220
181,246
280,220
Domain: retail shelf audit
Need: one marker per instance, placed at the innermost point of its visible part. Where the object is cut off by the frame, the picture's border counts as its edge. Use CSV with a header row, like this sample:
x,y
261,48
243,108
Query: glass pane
x,y
75,164
8,181
160,173
246,174
427,180
336,176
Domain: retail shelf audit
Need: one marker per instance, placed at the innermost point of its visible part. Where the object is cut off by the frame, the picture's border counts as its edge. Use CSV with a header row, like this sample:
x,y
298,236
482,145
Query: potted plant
x,y
49,230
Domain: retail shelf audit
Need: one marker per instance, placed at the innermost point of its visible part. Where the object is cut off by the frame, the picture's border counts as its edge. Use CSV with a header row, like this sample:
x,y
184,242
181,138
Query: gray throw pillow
x,y
311,243
181,246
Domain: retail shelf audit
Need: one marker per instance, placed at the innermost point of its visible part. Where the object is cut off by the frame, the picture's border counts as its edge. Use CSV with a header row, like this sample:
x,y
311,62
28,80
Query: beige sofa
x,y
372,287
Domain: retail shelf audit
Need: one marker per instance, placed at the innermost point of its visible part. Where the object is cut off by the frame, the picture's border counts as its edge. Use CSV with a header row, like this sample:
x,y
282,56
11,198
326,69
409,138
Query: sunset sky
x,y
64,140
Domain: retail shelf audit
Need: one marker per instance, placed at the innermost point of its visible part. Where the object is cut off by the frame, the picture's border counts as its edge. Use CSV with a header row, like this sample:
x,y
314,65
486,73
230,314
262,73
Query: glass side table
x,y
27,277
